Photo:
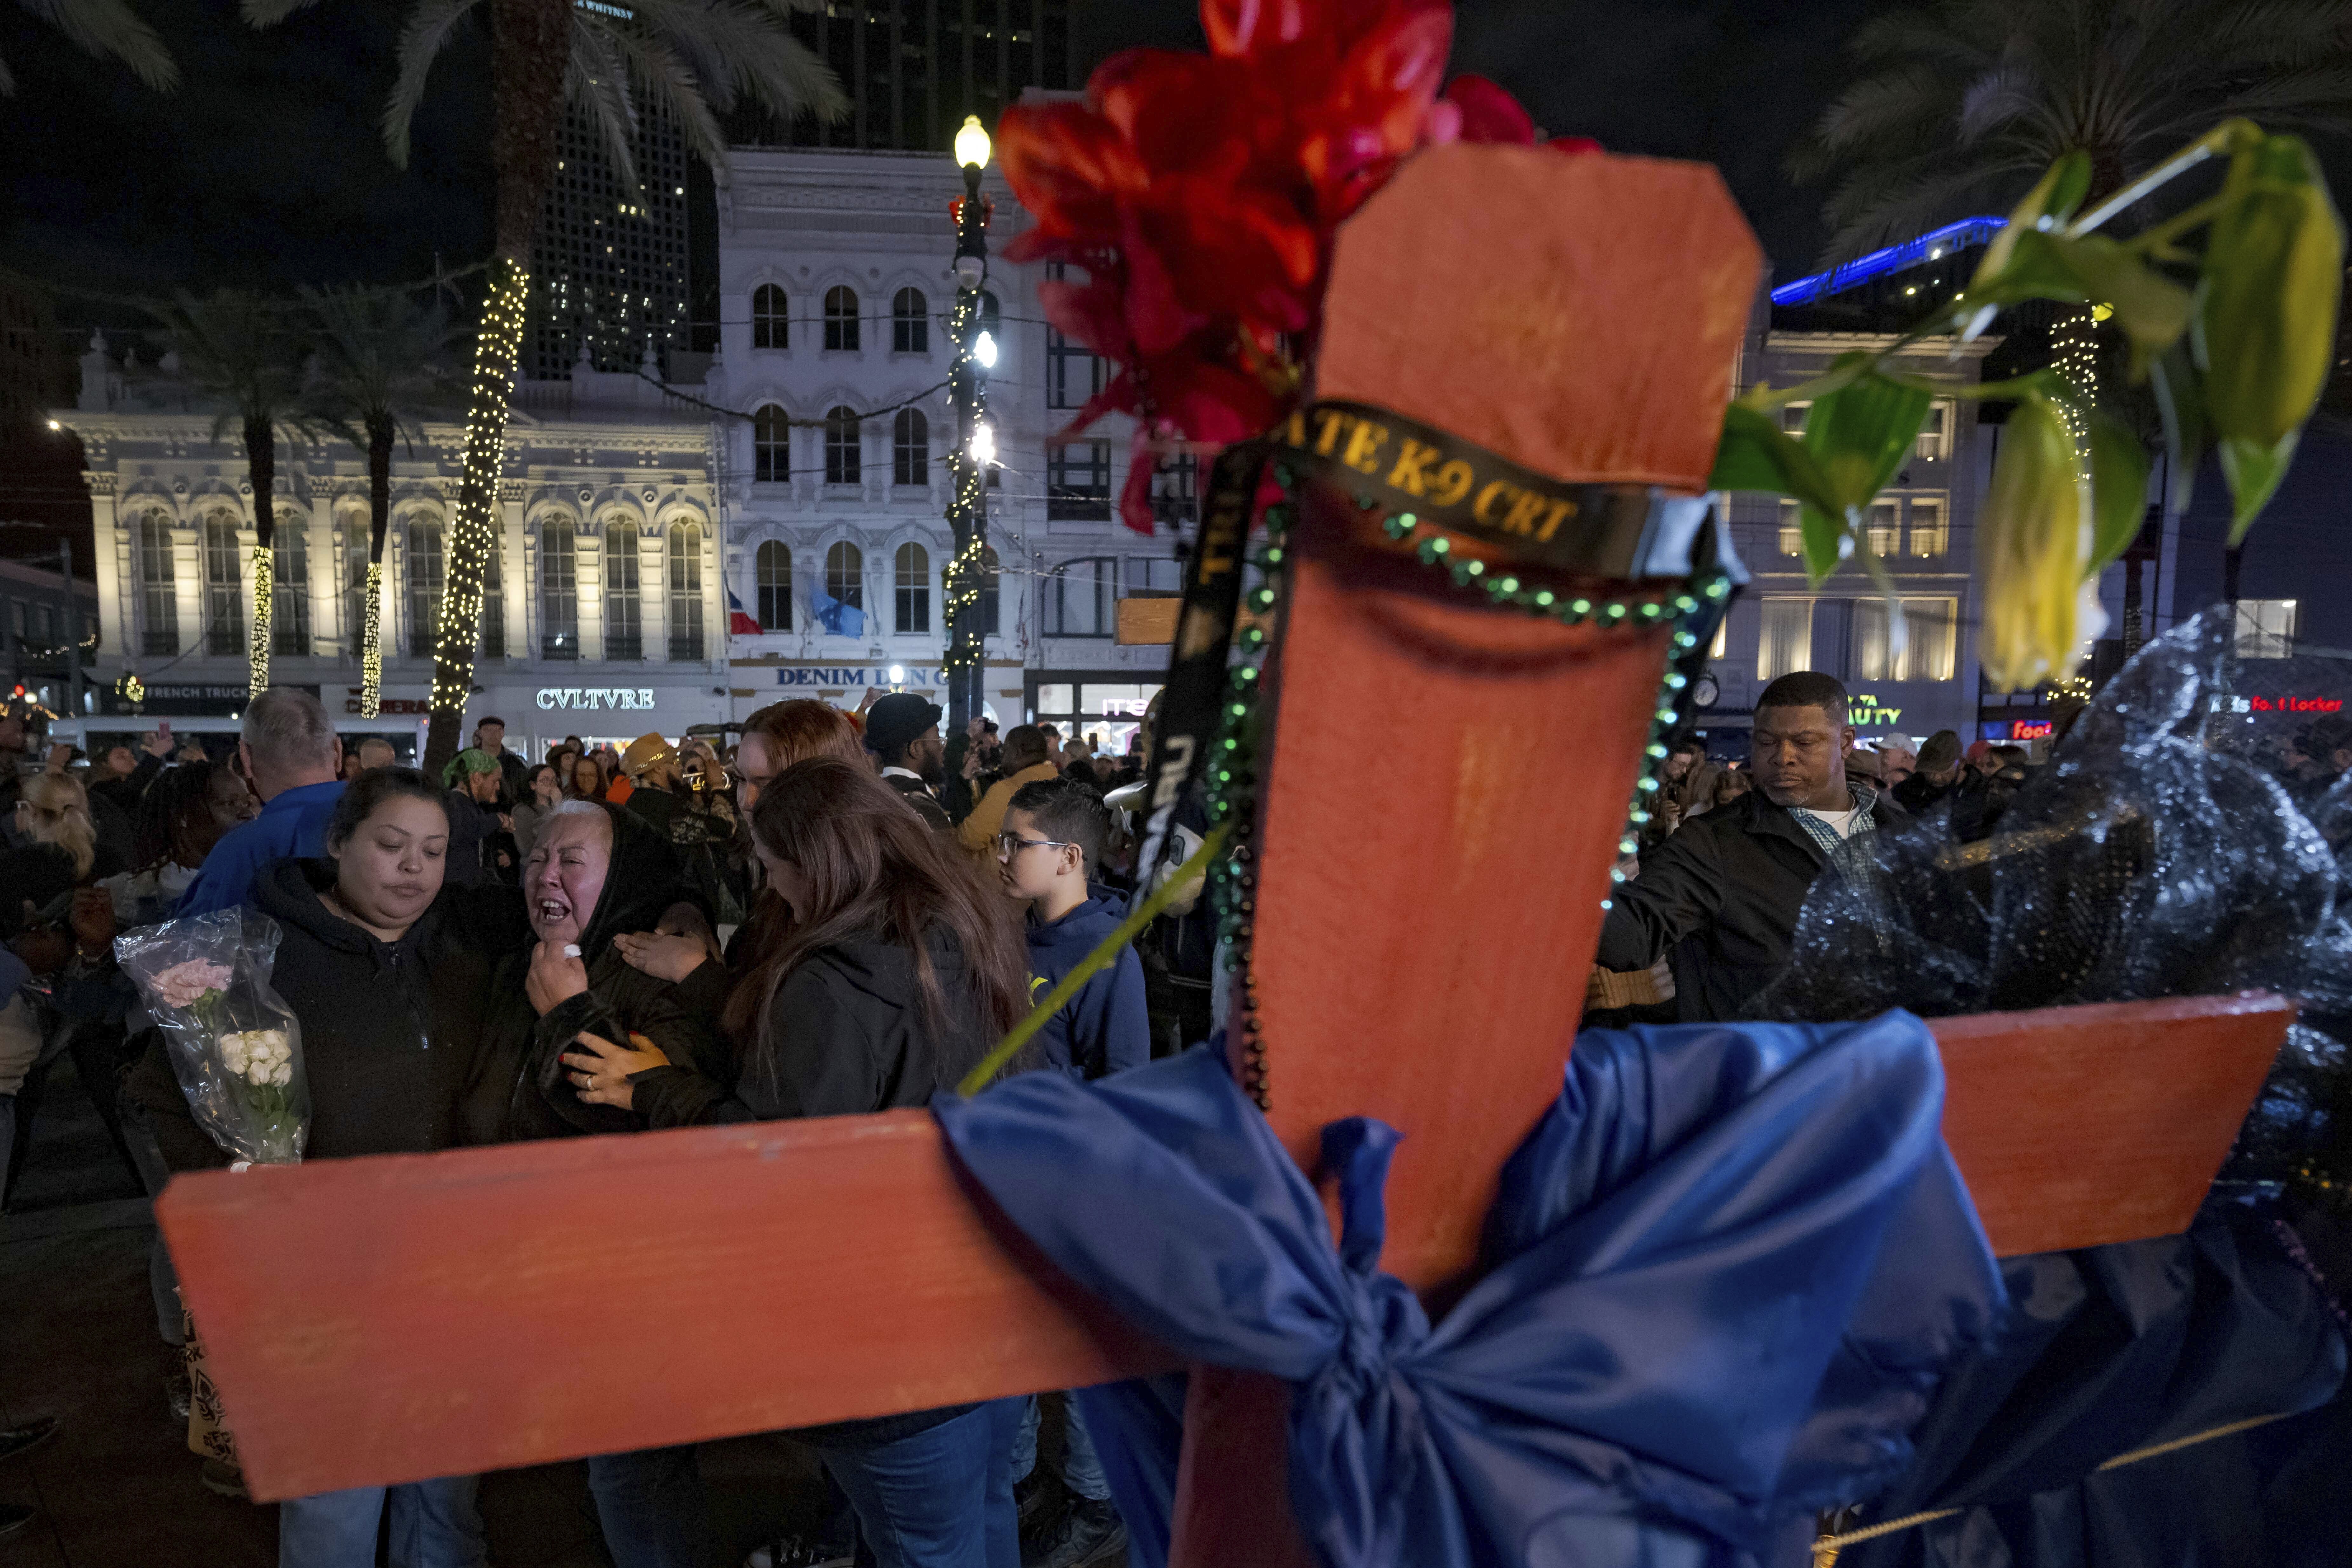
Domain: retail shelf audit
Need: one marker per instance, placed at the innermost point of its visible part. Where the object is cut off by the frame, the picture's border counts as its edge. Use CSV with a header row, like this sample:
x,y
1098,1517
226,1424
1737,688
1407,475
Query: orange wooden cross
x,y
1423,933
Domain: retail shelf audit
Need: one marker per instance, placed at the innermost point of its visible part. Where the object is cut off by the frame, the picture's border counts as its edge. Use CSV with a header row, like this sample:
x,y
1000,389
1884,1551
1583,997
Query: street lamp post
x,y
974,350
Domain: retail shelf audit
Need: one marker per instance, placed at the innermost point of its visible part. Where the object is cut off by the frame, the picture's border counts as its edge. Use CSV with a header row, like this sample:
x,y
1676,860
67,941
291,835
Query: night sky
x,y
266,168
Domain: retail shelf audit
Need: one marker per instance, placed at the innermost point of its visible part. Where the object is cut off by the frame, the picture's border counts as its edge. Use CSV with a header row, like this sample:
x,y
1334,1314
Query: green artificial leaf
x,y
2118,490
1756,454
1827,542
2253,471
2049,200
2273,276
2180,400
1860,434
2151,309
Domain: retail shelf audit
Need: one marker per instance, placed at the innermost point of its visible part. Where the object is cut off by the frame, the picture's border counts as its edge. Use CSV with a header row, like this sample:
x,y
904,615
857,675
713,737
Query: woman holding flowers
x,y
385,968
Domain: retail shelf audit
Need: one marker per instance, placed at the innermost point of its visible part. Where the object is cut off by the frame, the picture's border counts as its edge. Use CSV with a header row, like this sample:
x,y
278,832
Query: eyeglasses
x,y
1008,845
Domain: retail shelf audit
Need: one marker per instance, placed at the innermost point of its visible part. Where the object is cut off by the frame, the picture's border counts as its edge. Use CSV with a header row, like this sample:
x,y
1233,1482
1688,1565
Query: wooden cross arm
x,y
393,1319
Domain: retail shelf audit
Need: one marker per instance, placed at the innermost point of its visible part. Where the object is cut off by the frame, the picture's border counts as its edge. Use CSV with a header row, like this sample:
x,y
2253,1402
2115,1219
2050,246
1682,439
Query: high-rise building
x,y
610,267
914,68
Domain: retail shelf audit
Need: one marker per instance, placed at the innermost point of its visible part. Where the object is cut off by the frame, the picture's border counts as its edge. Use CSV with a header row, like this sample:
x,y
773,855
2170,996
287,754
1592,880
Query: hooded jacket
x,y
1106,1027
393,1033
640,886
1719,899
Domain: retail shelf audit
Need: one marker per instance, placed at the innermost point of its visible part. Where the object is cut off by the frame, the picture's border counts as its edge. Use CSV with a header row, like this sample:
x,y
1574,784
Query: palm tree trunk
x,y
530,44
261,468
379,437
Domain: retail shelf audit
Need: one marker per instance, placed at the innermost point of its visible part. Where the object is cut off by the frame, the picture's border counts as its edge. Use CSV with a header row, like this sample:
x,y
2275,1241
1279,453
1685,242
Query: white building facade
x,y
605,617
834,484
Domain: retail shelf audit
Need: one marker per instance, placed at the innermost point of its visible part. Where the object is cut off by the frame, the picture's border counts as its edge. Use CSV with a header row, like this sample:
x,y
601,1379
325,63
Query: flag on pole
x,y
839,618
739,623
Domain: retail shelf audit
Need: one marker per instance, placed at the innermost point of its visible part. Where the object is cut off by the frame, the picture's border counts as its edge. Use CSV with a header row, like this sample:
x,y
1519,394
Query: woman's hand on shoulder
x,y
661,954
599,1073
555,977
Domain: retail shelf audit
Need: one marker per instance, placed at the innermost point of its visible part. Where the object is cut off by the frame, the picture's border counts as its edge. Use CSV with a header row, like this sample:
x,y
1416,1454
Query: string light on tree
x,y
257,657
372,666
458,629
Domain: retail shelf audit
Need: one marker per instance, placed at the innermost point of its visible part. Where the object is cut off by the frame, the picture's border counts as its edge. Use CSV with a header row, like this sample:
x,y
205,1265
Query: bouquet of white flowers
x,y
233,1042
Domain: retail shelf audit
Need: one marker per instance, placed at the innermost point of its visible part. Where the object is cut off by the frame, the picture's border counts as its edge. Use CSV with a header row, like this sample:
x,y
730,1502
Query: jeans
x,y
433,1525
941,1499
1082,1471
650,1502
162,1281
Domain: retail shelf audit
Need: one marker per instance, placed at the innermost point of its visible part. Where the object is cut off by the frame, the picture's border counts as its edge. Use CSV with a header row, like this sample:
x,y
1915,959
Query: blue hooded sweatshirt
x,y
1105,1028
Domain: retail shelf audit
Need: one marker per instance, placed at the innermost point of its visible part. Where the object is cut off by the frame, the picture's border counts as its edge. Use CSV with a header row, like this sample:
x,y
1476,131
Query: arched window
x,y
624,616
841,317
771,445
772,326
686,590
841,464
353,526
224,587
991,571
426,577
773,569
910,448
289,591
845,576
559,588
913,588
910,322
159,601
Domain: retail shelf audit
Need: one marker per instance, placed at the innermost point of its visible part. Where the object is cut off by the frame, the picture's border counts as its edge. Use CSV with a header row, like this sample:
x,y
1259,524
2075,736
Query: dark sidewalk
x,y
117,1486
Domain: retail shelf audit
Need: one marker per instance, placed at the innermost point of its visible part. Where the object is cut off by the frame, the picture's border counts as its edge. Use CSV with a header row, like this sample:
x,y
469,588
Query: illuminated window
x,y
559,589
910,322
2266,628
911,583
771,445
1722,635
624,610
840,318
841,459
773,569
686,590
1792,416
1885,527
772,326
1787,639
910,448
1929,635
426,577
1930,535
1935,440
1792,532
159,601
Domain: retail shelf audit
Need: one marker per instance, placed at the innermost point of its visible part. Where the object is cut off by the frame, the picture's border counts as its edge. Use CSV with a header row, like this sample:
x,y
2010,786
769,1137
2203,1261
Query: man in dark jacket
x,y
1937,775
1719,899
902,731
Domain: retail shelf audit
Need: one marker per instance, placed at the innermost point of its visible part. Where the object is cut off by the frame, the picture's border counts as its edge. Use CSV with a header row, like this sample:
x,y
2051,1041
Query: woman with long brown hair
x,y
900,969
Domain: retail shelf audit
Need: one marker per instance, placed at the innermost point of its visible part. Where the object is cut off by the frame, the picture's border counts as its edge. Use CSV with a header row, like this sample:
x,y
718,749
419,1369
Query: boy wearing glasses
x,y
1054,831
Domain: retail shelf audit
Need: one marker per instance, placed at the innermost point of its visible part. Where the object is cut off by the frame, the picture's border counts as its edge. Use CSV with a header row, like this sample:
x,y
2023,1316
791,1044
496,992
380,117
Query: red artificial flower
x,y
1199,194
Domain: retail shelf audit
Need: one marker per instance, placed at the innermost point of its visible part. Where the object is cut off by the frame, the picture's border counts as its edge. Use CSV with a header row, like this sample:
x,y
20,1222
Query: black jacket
x,y
1719,899
641,884
393,1035
918,794
844,1035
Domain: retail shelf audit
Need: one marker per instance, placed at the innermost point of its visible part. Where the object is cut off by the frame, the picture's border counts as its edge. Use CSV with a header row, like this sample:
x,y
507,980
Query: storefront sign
x,y
164,699
884,676
1862,712
589,699
2278,705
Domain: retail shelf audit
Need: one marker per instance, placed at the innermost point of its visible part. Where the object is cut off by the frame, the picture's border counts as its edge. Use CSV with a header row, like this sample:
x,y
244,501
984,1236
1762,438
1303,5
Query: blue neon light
x,y
1928,246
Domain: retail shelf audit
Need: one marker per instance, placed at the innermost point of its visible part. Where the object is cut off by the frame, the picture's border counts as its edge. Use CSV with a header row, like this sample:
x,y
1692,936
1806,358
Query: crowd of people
x,y
838,913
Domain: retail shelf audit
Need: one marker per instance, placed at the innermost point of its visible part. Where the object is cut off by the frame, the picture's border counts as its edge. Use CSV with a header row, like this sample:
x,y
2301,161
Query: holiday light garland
x,y
264,569
372,646
458,631
967,516
2077,360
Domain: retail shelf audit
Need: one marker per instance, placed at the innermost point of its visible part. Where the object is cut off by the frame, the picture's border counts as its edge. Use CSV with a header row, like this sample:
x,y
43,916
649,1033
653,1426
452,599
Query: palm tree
x,y
242,355
1963,104
693,58
381,359
104,28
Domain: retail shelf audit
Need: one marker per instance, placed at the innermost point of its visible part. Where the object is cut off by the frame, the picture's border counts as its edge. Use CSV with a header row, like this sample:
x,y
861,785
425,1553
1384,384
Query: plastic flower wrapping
x,y
233,1042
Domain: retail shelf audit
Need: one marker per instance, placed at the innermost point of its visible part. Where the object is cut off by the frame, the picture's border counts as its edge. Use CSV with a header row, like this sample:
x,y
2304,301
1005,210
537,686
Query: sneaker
x,y
1034,1497
1092,1534
178,1395
796,1552
226,1481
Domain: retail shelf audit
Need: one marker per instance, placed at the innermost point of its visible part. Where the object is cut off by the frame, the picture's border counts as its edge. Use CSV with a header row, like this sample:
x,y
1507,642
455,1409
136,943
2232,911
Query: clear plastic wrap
x,y
234,1043
2159,853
